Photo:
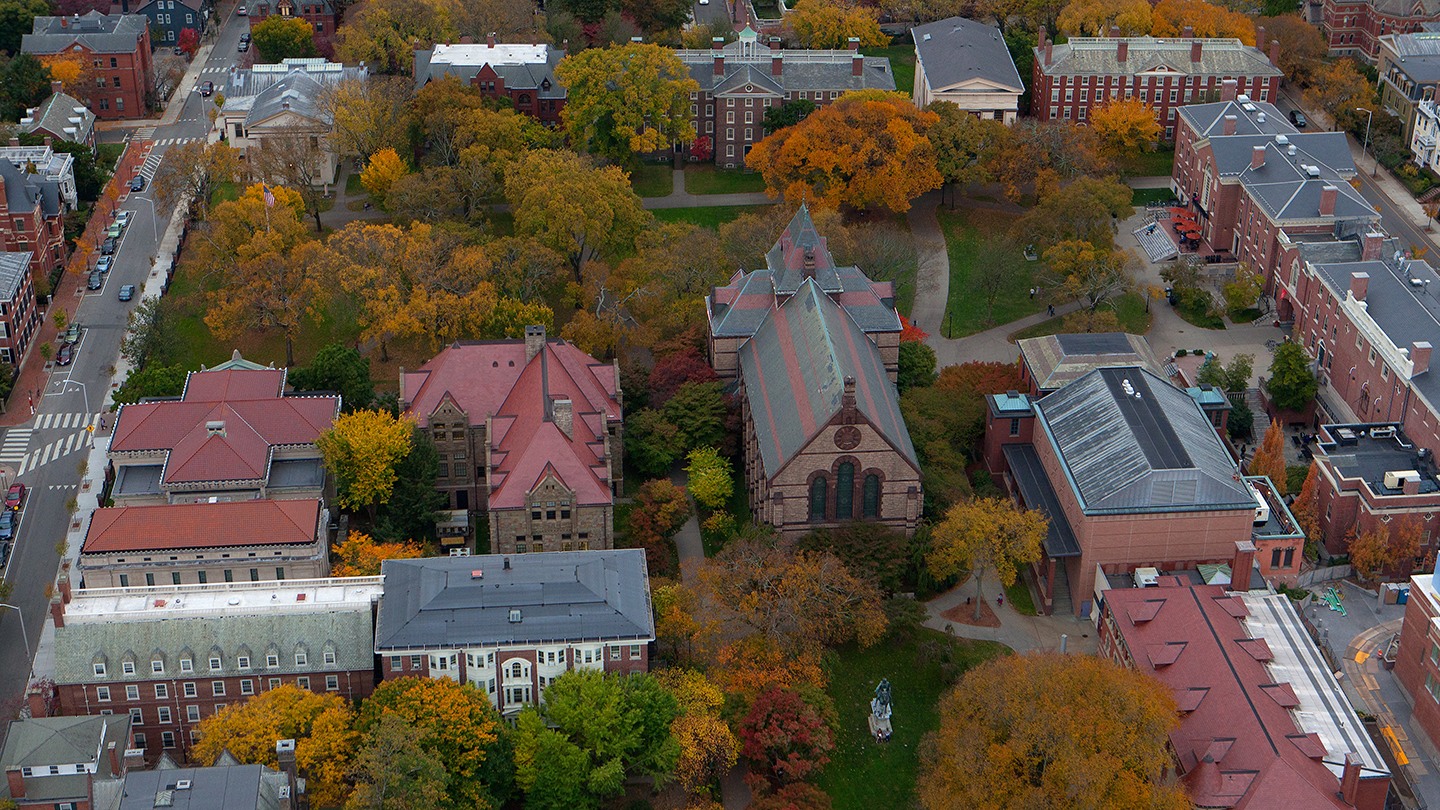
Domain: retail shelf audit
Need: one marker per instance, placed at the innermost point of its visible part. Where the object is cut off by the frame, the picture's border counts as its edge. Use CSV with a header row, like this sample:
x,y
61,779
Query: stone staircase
x,y
1262,422
1063,605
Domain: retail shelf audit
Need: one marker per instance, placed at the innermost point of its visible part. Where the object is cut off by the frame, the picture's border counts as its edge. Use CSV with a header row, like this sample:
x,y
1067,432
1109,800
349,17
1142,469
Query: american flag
x,y
269,196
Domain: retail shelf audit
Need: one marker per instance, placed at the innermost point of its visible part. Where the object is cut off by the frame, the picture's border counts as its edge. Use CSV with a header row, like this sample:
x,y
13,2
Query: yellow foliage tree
x,y
986,535
71,71
626,100
708,748
1094,18
1170,17
384,168
362,450
866,149
830,24
319,723
573,206
360,555
1125,126
1339,89
1269,457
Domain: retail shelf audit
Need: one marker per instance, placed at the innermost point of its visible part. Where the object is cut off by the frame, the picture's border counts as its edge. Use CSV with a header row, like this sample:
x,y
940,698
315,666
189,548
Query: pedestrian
x,y
1052,310
1000,600
1032,292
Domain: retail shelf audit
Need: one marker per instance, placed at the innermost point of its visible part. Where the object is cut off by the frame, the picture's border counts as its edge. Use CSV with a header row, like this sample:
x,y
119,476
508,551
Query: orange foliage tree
x,y
1379,550
707,746
1125,126
1306,507
1171,16
865,150
1270,457
360,555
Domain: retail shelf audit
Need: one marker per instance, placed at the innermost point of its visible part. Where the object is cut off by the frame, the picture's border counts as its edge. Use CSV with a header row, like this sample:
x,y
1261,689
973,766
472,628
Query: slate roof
x,y
1034,485
223,787
1055,360
44,741
100,33
1419,55
174,527
795,371
54,117
23,191
1130,442
1251,118
521,66
14,265
562,596
298,93
1098,56
256,419
801,70
1403,8
957,50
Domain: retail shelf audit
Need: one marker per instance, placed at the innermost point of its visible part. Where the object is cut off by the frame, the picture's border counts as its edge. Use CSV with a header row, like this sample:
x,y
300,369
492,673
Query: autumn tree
x,y
339,368
865,150
295,158
362,450
572,206
369,115
189,41
1038,156
675,266
1083,209
392,771
831,24
779,116
360,555
1172,17
319,723
74,73
1097,274
984,536
383,33
699,414
381,172
785,736
1095,18
1125,126
1382,549
1269,459
917,365
1302,46
661,508
455,726
946,421
873,551
24,82
794,796
1339,88
626,101
1292,385
685,365
964,143
193,171
1021,730
1231,377
279,37
1306,506
710,478
707,746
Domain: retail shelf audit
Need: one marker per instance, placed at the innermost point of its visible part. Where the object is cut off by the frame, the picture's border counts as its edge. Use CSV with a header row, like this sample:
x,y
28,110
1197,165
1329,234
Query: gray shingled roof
x,y
298,93
101,33
225,787
78,644
1328,151
801,70
44,741
1403,8
14,264
1099,56
562,596
1251,118
1419,55
1131,442
54,114
532,76
956,50
1407,313
22,190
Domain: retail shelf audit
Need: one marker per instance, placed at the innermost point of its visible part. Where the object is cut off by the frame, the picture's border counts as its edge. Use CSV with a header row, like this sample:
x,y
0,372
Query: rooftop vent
x,y
1282,140
1313,171
1260,118
1243,99
183,784
515,616
215,428
925,38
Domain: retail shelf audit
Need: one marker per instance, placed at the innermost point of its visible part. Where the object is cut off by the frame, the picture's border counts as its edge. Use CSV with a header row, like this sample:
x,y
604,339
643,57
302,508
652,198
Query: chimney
x,y
1188,32
64,22
1370,246
1241,565
1327,200
534,341
1122,50
1420,357
719,63
1228,89
847,400
1350,779
1197,48
14,141
563,412
1230,122
777,63
114,758
716,43
1359,284
17,782
466,39
1259,35
1048,46
853,43
1275,52
1410,486
285,753
1042,36
64,585
1257,157
57,611
35,700
49,141
490,40
56,86
774,43
1114,32
857,64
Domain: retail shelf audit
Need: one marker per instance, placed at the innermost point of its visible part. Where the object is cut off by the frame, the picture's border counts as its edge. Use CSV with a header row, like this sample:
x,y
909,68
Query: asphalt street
x,y
45,452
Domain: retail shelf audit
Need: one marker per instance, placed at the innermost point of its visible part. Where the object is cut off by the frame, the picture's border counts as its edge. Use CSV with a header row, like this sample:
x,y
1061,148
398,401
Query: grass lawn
x,y
353,186
652,180
1148,164
865,775
709,217
1018,595
107,155
902,64
1129,308
224,192
710,179
966,232
1144,196
767,9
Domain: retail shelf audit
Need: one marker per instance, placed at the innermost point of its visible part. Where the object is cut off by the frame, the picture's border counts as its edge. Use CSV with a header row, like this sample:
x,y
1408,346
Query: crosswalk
x,y
143,134
205,71
51,421
17,441
175,141
55,451
152,163
15,447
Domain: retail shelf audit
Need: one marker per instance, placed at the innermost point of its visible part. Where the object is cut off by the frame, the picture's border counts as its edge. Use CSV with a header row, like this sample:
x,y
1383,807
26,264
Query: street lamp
x,y
83,392
1369,118
25,636
154,228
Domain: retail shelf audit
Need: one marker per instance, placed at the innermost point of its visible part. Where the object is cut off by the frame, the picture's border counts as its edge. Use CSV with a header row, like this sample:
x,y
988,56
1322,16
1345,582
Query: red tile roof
x,y
255,419
202,525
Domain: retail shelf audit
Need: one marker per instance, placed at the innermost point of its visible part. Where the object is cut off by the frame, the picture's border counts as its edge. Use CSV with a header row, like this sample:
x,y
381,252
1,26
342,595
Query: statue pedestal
x,y
879,729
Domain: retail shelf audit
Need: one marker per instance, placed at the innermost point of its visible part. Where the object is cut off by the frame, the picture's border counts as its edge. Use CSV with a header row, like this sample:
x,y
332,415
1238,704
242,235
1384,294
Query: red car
x,y
15,497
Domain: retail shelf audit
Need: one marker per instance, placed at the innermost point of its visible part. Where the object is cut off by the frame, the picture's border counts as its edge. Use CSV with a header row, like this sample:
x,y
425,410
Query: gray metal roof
x,y
54,116
562,596
1327,151
1035,488
801,70
101,33
1055,360
255,80
227,787
347,631
956,50
1251,118
1100,56
1131,442
44,741
298,93
14,264
1417,55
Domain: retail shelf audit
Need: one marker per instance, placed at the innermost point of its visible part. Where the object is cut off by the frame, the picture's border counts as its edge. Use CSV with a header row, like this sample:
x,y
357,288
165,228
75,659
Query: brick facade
x,y
319,13
1417,664
1354,28
31,222
19,313
114,48
521,74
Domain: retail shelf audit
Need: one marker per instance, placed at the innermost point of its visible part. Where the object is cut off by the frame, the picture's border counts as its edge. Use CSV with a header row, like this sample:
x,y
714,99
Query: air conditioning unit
x,y
1395,479
1382,432
1147,577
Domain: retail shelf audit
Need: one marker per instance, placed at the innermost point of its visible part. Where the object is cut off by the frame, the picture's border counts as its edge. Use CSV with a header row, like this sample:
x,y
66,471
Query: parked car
x,y
95,281
15,498
123,218
207,89
243,46
1298,119
72,333
127,292
138,184
4,551
107,247
66,355
245,37
7,529
103,264
241,11
115,230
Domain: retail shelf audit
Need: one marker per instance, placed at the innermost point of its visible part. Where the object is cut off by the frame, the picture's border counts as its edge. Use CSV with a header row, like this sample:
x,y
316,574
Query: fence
x,y
1326,574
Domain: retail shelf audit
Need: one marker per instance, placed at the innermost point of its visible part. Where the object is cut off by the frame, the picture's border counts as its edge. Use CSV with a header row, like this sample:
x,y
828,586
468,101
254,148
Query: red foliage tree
x,y
674,370
702,149
981,378
909,331
785,736
661,508
797,796
189,41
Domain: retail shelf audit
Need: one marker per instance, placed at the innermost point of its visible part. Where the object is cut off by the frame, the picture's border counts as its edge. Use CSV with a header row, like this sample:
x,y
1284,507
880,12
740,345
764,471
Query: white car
x,y
241,11
704,2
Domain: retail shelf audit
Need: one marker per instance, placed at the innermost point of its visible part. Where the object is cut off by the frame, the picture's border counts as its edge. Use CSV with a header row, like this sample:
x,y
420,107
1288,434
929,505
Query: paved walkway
x,y
1018,632
680,198
688,543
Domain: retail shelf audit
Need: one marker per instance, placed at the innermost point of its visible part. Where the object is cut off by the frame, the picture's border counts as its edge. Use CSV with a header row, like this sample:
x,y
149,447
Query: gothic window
x,y
818,496
845,492
871,505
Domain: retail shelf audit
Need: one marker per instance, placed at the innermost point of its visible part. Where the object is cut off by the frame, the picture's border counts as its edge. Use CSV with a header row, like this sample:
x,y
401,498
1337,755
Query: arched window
x,y
524,98
871,503
845,492
818,496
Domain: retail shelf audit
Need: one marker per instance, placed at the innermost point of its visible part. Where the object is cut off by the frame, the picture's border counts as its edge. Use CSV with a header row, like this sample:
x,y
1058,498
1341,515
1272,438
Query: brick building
x,y
62,117
1417,665
233,435
1263,722
205,542
173,656
32,220
115,47
319,13
522,73
529,434
1354,27
19,313
740,80
509,625
1259,185
1074,78
1131,474
67,762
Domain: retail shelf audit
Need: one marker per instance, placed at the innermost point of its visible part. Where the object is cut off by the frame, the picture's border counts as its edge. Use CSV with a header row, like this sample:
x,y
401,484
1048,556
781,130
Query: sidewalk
x,y
1019,633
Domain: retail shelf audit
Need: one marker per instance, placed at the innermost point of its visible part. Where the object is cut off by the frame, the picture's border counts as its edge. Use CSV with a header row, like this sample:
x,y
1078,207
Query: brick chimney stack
x,y
1188,32
1259,35
1197,49
1350,779
715,45
1230,122
1122,50
1328,194
1359,285
56,86
534,341
857,64
57,611
1241,565
115,762
1420,356
774,43
490,40
1257,157
1370,245
777,63
1048,47
1229,89
1410,486
16,782
1275,52
1114,32
853,43
562,411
